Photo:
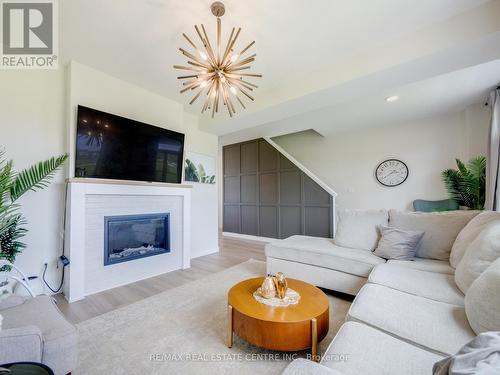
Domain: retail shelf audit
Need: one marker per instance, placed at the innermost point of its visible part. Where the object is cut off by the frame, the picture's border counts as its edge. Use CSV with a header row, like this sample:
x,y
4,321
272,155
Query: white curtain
x,y
492,168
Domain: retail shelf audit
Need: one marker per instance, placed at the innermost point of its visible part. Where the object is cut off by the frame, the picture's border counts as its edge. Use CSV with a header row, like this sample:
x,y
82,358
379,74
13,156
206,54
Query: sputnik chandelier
x,y
218,74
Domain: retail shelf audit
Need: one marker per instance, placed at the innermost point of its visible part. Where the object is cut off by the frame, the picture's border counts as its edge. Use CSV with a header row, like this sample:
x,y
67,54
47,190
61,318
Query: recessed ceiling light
x,y
392,98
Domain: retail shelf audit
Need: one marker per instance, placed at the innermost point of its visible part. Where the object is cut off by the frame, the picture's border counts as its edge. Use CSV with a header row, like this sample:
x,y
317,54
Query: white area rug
x,y
183,331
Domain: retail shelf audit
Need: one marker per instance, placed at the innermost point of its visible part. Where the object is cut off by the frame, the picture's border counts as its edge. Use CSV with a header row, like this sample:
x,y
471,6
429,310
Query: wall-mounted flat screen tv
x,y
114,147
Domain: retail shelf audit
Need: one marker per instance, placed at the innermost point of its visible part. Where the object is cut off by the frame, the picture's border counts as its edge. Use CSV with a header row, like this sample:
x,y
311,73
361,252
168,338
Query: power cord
x,y
47,284
62,258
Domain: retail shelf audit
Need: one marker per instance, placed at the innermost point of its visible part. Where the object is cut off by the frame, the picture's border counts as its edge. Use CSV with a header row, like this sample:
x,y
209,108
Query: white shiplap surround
x,y
87,204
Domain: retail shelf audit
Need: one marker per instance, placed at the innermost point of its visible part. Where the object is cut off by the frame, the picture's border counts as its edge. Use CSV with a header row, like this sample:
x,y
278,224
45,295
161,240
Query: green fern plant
x,y
12,186
467,184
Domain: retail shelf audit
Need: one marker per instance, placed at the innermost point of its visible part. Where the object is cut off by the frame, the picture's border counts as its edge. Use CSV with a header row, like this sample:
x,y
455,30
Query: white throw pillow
x,y
441,229
358,229
483,251
482,300
469,234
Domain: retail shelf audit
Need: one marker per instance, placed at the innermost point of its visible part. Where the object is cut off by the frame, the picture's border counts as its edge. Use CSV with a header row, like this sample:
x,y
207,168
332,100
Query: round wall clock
x,y
391,172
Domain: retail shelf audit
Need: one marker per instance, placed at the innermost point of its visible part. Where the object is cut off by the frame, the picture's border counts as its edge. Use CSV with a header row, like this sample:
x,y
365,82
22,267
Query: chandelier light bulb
x,y
214,71
203,55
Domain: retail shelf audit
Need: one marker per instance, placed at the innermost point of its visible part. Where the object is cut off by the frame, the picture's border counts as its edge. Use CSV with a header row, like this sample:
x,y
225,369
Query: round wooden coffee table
x,y
291,328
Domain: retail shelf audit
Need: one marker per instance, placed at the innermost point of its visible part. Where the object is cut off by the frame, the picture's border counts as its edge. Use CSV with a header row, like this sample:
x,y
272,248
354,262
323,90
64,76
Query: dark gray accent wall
x,y
267,195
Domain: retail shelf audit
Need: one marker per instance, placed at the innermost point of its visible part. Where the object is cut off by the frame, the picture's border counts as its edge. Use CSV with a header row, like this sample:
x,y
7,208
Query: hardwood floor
x,y
231,252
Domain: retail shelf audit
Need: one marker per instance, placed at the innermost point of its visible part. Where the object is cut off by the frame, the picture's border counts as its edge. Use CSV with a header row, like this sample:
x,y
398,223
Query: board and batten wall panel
x,y
267,195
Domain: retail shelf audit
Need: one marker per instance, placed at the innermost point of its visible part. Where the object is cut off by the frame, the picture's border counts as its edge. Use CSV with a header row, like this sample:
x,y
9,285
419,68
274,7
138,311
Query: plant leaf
x,y
35,177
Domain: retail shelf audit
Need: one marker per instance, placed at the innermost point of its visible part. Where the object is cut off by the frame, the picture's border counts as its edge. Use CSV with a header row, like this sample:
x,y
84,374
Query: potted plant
x,y
12,187
467,184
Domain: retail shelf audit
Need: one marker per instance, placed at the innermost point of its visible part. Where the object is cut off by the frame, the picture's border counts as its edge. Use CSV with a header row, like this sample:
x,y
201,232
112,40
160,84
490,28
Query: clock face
x,y
391,172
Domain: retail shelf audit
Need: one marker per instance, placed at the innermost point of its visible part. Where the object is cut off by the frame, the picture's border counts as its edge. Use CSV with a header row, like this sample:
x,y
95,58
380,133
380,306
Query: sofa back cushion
x,y
441,229
482,300
358,229
483,251
469,234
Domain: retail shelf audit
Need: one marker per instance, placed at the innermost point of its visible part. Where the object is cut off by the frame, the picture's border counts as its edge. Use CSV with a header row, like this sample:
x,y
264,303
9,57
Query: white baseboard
x,y
247,237
208,252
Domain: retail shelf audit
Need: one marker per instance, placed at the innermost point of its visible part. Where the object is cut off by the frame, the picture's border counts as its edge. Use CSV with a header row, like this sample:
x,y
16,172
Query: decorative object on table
x,y
391,172
220,72
268,288
467,185
280,284
291,297
199,168
12,186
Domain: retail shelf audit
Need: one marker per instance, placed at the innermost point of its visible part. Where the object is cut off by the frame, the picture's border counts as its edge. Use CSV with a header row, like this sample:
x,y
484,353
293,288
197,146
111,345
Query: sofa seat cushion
x,y
369,351
441,229
60,338
322,252
429,265
436,286
435,326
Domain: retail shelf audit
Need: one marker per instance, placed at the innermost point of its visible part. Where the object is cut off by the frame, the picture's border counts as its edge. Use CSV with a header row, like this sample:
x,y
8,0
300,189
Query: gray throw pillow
x,y
397,243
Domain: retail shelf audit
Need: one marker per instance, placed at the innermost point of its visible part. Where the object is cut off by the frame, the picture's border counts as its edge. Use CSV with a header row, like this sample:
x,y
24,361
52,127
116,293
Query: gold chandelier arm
x,y
218,39
209,46
240,84
197,64
246,48
243,105
238,69
189,68
242,62
249,84
190,41
249,75
226,56
209,92
229,42
189,76
192,57
196,96
242,89
228,103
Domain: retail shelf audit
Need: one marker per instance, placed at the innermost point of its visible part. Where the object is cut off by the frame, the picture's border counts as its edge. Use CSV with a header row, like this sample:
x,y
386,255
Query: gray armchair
x,y
34,330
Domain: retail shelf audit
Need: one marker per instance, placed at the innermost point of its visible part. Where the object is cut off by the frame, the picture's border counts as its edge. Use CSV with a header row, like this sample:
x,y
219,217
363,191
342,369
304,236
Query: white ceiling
x,y
138,40
447,93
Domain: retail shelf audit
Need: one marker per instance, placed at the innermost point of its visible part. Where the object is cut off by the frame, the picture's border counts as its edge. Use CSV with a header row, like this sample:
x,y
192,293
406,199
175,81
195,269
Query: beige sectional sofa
x,y
407,315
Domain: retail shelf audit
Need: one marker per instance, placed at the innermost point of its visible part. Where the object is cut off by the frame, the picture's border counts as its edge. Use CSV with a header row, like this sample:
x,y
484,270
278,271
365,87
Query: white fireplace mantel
x,y
79,191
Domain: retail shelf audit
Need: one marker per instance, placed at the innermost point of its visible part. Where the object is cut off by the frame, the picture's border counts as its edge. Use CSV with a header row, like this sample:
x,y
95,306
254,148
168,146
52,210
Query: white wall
x,y
35,112
33,128
346,161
